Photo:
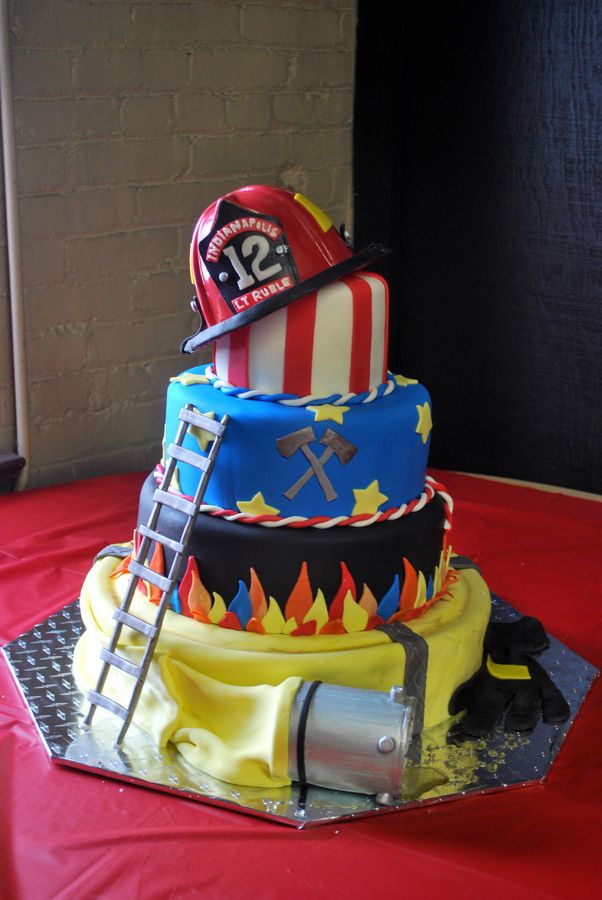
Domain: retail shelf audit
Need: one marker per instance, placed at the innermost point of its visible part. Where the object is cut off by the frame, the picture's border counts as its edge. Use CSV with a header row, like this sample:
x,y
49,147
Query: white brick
x,y
249,111
128,251
53,354
152,115
163,203
318,148
43,262
64,23
185,24
118,343
41,73
58,119
243,68
41,169
242,154
199,112
334,108
132,69
58,396
79,212
133,160
274,27
292,107
318,68
162,291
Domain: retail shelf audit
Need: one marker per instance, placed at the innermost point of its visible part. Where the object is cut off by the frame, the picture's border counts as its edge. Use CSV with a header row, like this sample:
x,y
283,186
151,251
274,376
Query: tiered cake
x,y
322,547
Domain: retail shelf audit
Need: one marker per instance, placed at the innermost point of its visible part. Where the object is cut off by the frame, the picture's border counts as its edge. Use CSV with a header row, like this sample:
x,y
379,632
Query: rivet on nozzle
x,y
386,744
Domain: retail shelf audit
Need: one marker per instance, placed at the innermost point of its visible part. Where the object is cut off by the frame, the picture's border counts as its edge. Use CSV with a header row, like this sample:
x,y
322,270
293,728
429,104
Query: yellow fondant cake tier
x,y
223,697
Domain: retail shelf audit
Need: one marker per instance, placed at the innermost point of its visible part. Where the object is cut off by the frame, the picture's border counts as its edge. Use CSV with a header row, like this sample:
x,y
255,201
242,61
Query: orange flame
x,y
410,586
406,615
255,625
257,595
194,596
122,568
368,601
157,564
301,598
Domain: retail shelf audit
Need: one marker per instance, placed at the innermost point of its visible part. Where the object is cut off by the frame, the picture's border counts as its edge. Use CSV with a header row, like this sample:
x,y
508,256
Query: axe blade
x,y
290,443
343,449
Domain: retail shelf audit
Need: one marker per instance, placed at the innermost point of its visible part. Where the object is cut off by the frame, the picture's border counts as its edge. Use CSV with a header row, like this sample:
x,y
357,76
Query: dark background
x,y
476,153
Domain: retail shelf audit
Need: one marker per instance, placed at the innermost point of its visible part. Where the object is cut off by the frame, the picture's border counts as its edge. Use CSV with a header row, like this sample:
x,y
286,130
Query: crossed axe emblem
x,y
336,445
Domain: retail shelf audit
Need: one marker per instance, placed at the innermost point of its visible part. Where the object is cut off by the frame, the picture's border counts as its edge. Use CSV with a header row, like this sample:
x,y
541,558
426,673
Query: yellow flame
x,y
317,612
290,625
355,618
273,621
218,610
420,592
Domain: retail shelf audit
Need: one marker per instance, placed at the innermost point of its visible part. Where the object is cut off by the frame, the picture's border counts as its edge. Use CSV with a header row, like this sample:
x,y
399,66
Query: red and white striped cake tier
x,y
333,341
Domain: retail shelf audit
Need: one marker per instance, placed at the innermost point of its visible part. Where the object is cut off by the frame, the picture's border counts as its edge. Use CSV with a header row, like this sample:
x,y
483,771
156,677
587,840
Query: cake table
x,y
67,833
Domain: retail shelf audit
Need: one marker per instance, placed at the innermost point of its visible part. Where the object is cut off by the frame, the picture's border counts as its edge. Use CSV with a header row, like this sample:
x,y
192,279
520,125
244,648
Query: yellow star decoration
x,y
367,500
425,422
187,378
203,437
329,411
403,381
257,506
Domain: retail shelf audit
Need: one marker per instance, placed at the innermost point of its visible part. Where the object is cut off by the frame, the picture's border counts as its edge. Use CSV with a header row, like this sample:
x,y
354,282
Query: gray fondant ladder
x,y
139,571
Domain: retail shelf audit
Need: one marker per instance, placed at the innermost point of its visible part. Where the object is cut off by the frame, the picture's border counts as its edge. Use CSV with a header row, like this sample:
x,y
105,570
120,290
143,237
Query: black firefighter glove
x,y
510,681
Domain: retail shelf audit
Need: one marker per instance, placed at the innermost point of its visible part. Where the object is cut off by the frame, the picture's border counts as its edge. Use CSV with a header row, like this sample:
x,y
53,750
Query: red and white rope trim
x,y
431,488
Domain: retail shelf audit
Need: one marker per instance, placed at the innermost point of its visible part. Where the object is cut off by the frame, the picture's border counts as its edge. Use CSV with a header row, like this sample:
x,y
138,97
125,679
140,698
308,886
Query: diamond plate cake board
x,y
40,661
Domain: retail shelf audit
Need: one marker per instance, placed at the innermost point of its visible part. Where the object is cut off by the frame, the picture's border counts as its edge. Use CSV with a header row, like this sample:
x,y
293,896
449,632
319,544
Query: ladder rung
x,y
176,546
134,622
188,456
113,659
198,419
175,502
138,570
97,699
160,581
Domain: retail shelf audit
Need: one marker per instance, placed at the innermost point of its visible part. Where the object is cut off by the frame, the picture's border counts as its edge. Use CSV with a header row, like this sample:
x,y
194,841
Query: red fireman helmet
x,y
258,249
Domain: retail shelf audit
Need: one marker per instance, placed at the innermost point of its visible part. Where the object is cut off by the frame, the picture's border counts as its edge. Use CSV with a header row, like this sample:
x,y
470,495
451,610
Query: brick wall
x,y
131,118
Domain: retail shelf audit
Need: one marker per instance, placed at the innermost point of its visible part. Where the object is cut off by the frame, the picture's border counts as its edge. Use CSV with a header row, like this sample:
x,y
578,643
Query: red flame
x,y
337,606
231,620
334,626
305,629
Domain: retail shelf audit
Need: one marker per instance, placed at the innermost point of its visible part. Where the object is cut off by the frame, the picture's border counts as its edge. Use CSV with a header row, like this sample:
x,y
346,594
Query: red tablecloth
x,y
68,834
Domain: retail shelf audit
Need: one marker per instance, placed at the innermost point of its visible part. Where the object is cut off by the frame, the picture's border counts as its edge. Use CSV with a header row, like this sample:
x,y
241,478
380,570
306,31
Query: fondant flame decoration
x,y
305,613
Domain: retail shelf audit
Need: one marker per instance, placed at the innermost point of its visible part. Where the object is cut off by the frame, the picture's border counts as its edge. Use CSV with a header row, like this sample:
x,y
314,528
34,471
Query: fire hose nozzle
x,y
349,739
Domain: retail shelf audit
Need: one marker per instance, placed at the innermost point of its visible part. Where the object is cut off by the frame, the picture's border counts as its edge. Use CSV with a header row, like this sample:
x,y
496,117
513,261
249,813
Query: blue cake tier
x,y
324,458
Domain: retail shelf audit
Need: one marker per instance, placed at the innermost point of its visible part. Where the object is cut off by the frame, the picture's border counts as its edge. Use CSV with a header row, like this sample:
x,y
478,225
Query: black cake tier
x,y
226,551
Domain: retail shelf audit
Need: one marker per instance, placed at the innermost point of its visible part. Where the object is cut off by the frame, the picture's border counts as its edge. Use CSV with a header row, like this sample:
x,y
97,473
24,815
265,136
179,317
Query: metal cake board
x,y
437,770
